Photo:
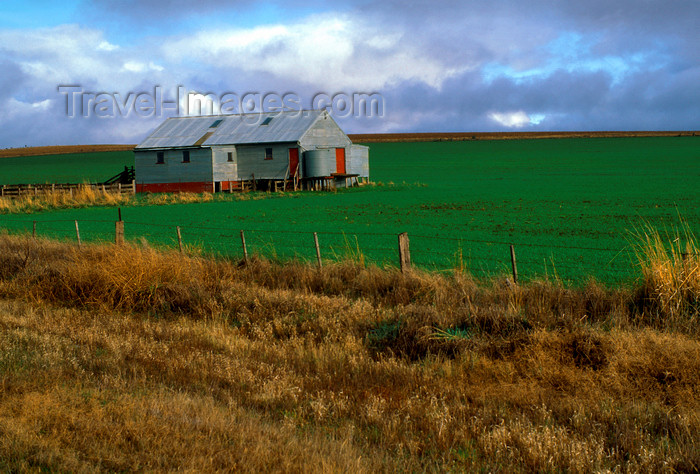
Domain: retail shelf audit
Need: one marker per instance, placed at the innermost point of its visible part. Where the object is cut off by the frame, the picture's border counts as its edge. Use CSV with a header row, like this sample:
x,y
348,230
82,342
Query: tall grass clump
x,y
670,267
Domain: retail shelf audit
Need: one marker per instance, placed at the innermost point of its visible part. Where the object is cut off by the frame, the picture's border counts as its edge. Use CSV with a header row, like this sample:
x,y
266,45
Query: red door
x,y
293,161
340,160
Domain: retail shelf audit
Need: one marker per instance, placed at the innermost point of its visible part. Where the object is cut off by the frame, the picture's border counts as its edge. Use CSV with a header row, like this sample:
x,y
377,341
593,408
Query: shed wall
x,y
251,161
324,133
358,161
173,170
224,170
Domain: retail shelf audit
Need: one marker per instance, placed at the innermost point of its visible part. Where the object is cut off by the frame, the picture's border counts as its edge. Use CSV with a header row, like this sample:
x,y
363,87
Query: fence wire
x,y
480,257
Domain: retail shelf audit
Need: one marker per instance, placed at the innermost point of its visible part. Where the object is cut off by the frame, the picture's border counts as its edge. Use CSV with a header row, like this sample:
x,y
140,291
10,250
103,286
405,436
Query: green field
x,y
569,206
66,168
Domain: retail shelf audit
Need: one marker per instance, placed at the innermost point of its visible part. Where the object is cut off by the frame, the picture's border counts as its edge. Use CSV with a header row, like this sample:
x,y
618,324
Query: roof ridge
x,y
246,114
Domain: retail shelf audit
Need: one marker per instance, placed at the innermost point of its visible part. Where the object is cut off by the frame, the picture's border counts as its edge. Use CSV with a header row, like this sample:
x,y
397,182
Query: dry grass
x,y
125,358
86,196
670,265
83,196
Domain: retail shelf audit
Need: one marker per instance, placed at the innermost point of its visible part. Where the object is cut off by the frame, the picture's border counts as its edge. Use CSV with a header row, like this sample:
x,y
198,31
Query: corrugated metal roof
x,y
232,130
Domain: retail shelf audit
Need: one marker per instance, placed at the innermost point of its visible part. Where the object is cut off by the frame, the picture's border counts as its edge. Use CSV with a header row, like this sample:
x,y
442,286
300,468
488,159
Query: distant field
x,y
94,166
570,206
61,150
437,136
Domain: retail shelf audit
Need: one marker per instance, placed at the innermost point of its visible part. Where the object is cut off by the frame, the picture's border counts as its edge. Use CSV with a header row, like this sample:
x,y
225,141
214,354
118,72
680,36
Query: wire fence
x,y
482,258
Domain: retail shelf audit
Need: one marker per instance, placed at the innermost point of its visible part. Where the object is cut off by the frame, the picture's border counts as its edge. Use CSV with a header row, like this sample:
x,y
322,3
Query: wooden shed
x,y
294,149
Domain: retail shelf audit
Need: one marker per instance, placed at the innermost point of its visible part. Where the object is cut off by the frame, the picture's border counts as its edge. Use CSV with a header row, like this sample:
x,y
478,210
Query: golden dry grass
x,y
126,358
86,196
670,265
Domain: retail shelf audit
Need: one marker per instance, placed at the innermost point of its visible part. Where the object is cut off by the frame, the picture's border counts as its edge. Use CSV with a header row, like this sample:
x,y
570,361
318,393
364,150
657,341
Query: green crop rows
x,y
570,207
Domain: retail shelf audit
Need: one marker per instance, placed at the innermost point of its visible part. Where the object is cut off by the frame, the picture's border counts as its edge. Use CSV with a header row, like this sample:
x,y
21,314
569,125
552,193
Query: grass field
x,y
570,206
126,359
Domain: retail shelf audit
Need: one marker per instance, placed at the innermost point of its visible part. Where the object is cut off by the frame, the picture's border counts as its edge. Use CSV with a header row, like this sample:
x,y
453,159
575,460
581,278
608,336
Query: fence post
x,y
318,250
77,233
245,249
512,261
133,186
404,252
119,232
179,237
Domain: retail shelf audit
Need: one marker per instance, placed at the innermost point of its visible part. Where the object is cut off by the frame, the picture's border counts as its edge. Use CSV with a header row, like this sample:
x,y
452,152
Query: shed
x,y
227,152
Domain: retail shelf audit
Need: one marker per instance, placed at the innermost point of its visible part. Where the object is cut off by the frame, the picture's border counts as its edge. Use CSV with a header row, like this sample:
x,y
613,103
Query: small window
x,y
266,121
186,156
160,157
230,156
216,123
268,153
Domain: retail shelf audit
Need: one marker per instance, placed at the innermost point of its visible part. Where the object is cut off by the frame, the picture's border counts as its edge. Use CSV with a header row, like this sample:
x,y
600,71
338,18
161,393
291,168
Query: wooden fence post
x,y
119,232
179,237
133,187
318,250
512,261
77,233
245,249
404,252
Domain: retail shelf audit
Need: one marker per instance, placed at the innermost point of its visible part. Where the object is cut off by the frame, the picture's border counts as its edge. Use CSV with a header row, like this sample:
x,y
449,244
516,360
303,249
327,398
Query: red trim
x,y
202,187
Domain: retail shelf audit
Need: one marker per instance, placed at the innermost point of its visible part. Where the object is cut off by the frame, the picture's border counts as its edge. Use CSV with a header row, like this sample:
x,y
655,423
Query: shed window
x,y
268,153
186,156
160,157
230,156
216,123
266,121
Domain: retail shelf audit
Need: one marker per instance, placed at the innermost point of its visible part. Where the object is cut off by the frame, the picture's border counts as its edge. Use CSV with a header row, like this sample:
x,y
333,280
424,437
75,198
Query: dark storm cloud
x,y
568,101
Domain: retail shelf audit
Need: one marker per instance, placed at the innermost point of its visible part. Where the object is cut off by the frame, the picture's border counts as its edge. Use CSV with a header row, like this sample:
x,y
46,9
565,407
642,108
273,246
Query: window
x,y
216,123
186,156
230,156
266,121
160,157
268,153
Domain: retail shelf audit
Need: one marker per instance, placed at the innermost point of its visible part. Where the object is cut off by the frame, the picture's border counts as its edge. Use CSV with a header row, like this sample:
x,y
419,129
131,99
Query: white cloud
x,y
326,51
137,66
516,119
107,46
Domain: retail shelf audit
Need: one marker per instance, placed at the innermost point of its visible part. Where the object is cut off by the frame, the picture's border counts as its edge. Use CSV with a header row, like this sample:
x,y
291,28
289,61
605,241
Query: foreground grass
x,y
131,359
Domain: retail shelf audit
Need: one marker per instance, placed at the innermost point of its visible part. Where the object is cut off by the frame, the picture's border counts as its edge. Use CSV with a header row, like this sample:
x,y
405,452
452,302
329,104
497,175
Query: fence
x,y
521,261
18,190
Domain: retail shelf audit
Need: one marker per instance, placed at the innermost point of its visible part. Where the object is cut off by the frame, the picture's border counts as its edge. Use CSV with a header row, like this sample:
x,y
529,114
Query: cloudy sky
x,y
99,71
